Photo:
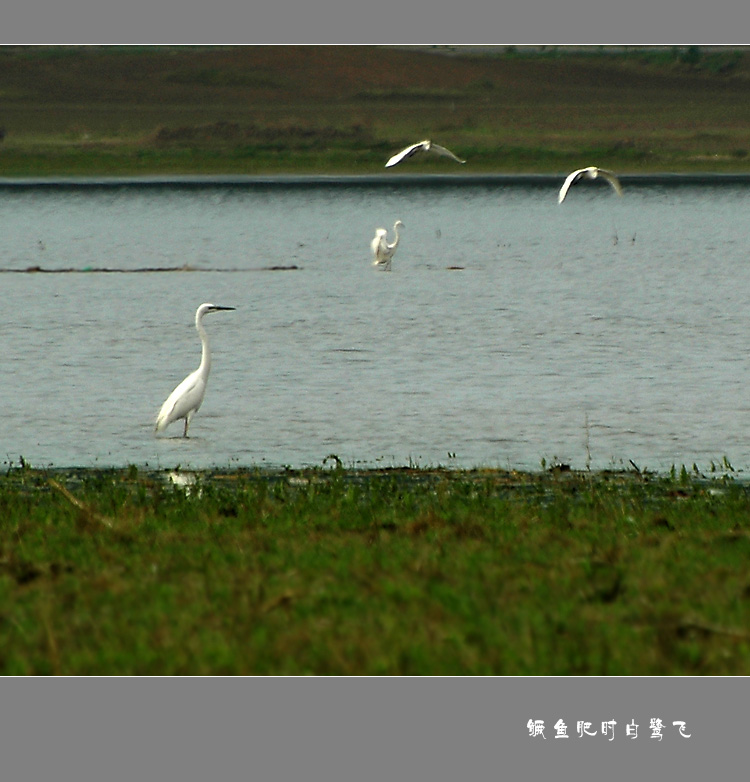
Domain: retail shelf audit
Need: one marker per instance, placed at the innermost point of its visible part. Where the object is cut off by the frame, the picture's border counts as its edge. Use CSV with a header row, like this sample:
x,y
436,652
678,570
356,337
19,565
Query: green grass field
x,y
404,571
326,110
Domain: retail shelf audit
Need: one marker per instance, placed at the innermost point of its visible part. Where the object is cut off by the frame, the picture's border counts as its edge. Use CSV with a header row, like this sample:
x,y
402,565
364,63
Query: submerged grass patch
x,y
405,571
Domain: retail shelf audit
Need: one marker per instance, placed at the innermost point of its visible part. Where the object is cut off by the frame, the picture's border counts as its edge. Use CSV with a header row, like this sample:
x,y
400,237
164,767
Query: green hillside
x,y
253,110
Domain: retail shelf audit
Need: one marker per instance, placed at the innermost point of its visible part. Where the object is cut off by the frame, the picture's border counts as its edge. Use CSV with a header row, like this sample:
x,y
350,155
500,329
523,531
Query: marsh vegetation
x,y
404,571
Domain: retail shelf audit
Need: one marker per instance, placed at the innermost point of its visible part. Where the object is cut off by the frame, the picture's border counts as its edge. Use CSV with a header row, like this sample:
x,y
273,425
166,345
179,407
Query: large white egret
x,y
590,172
421,146
382,250
185,400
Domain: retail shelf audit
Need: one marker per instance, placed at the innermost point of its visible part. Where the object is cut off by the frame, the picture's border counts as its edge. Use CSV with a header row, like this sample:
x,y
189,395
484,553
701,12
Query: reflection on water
x,y
594,332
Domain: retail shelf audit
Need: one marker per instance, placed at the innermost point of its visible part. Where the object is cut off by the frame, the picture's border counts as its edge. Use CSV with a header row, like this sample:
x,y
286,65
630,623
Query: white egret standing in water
x,y
590,172
421,146
382,250
185,400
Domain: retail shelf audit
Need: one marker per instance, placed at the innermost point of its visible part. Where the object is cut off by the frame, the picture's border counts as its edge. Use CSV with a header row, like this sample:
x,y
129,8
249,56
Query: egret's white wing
x,y
405,153
567,183
443,151
376,244
612,179
188,395
591,172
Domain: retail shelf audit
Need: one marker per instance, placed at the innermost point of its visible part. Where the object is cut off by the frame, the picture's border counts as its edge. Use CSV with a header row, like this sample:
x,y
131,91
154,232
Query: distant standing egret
x,y
421,146
382,250
590,172
185,400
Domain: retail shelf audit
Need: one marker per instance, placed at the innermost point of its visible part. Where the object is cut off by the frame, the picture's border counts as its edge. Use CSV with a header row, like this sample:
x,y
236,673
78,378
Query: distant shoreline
x,y
368,180
265,110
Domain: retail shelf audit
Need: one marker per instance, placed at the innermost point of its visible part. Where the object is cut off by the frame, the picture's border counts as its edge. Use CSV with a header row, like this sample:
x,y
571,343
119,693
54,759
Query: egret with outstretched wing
x,y
590,172
383,250
421,146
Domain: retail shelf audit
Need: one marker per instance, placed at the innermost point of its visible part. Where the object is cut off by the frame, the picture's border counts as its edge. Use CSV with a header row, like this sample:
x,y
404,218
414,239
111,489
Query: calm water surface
x,y
550,342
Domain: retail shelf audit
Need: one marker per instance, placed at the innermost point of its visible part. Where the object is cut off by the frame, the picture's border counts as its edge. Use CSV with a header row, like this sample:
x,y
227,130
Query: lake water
x,y
550,342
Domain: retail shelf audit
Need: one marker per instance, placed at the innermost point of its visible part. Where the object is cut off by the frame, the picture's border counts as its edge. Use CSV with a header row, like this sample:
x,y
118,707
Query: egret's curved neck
x,y
395,235
205,351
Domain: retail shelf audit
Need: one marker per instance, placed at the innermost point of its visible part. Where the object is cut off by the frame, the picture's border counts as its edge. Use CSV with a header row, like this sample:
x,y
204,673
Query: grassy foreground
x,y
402,571
345,109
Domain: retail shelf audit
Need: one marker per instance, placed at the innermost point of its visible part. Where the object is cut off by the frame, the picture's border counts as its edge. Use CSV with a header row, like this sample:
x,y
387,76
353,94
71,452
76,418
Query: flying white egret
x,y
590,172
185,400
382,250
421,146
